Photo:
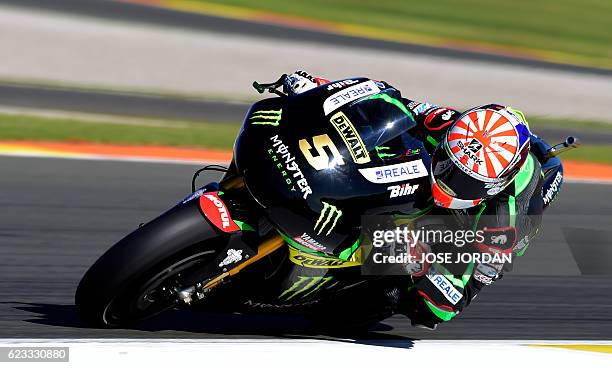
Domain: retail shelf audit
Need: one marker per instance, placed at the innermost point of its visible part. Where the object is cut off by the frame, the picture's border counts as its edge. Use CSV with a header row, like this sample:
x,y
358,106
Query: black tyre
x,y
135,278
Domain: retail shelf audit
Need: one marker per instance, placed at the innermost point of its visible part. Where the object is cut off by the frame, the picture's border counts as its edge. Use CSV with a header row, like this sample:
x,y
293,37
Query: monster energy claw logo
x,y
266,117
329,213
305,285
381,154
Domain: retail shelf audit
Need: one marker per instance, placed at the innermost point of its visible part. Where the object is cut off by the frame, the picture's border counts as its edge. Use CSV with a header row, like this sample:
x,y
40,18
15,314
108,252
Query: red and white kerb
x,y
485,142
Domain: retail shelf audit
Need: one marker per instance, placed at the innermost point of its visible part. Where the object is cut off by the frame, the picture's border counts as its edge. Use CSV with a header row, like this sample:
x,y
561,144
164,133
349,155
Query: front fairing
x,y
330,155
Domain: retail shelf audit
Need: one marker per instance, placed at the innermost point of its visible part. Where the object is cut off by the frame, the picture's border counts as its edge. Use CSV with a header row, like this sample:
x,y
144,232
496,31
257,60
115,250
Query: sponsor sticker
x,y
497,240
442,166
422,107
307,241
288,167
487,270
402,190
445,286
341,84
233,256
350,94
393,173
495,187
351,138
328,219
553,188
483,278
266,117
316,261
215,210
194,195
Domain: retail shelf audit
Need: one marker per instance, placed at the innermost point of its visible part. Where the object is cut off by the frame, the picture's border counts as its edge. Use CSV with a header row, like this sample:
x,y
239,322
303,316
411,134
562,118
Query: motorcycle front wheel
x,y
139,276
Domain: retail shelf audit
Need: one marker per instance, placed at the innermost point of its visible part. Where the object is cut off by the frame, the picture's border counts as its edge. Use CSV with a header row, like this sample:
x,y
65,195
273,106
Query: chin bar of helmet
x,y
557,149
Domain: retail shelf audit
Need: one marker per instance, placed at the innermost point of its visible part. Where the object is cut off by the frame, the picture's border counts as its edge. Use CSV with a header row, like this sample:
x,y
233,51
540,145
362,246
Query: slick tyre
x,y
135,279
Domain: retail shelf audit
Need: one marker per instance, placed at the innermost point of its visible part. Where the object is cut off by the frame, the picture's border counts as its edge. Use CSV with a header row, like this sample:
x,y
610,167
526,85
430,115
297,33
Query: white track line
x,y
308,352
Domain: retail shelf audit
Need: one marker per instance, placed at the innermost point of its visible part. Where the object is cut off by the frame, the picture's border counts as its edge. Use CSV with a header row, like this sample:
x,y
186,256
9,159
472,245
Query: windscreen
x,y
381,120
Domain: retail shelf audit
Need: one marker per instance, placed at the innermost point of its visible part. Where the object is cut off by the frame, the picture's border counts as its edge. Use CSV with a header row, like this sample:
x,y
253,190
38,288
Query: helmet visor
x,y
453,179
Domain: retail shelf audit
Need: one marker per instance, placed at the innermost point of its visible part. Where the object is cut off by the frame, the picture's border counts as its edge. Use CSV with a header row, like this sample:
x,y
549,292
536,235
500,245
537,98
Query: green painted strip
x,y
512,210
244,226
446,273
522,179
413,216
394,101
467,275
348,252
433,141
522,251
483,206
440,313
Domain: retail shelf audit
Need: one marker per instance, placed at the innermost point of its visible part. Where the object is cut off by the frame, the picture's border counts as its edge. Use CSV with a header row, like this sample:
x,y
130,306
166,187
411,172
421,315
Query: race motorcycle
x,y
305,169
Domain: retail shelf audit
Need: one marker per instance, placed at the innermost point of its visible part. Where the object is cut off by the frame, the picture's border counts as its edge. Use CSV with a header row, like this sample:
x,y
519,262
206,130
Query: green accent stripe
x,y
467,275
348,252
394,101
402,219
433,141
440,313
512,210
483,206
522,179
443,271
522,251
244,226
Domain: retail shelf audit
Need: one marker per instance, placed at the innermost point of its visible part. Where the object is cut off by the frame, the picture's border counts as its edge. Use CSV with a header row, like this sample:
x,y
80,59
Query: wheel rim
x,y
157,294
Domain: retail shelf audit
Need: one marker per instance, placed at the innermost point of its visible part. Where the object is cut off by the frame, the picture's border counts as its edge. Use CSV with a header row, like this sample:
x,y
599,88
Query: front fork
x,y
249,254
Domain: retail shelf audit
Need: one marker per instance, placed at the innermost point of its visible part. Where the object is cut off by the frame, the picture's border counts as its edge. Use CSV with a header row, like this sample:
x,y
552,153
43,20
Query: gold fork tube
x,y
265,248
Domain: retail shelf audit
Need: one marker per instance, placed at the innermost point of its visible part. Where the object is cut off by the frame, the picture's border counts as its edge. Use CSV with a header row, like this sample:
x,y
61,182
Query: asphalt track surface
x,y
57,216
121,104
172,18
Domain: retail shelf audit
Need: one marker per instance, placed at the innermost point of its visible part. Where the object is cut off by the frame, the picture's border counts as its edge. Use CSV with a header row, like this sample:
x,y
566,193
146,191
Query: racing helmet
x,y
480,155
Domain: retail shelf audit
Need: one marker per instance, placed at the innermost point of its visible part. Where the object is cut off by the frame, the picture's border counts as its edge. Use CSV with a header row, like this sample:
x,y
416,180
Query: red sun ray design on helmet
x,y
484,142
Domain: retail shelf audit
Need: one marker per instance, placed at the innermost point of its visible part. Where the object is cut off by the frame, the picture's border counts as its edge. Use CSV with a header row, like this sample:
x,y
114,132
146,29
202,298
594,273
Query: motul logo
x,y
215,210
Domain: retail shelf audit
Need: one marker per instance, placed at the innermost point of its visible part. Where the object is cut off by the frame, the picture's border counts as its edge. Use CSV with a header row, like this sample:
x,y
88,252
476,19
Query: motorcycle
x,y
305,169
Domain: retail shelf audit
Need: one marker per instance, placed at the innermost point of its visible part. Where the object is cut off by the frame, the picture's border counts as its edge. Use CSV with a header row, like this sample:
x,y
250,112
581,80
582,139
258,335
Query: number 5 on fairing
x,y
321,161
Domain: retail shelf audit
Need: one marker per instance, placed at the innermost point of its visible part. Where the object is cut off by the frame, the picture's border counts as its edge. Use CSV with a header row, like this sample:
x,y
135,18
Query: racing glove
x,y
300,82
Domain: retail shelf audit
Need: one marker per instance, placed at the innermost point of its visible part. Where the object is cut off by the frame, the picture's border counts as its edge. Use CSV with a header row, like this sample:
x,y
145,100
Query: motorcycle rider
x,y
487,172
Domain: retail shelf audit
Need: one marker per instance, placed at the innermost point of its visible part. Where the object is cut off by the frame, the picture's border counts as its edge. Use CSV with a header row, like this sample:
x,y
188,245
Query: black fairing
x,y
381,121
